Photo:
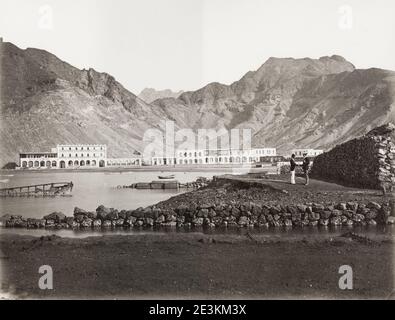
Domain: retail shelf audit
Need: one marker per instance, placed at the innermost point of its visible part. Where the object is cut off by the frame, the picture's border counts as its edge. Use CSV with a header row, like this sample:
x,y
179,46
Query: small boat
x,y
166,177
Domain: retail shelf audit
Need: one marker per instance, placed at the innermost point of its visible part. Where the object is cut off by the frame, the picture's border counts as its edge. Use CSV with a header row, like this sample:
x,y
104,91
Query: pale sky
x,y
185,44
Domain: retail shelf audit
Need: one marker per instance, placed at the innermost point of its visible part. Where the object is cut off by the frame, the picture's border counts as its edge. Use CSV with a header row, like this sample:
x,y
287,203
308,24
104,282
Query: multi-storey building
x,y
38,160
123,162
82,155
211,157
71,156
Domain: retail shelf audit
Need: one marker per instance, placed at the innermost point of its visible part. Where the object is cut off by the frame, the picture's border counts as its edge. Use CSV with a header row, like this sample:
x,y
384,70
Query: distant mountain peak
x,y
150,94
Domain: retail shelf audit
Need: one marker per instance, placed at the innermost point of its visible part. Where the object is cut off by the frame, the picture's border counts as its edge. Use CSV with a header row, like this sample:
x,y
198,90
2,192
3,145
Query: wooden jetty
x,y
39,190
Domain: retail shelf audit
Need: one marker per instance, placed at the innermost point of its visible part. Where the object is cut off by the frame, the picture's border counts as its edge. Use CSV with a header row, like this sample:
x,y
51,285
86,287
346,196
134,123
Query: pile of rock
x,y
365,162
248,214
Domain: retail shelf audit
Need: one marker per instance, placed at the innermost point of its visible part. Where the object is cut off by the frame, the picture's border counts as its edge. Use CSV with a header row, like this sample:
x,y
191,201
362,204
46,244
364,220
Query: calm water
x,y
90,190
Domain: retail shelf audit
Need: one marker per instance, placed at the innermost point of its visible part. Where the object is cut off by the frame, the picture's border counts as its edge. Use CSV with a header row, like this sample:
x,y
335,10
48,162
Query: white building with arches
x,y
75,156
82,155
213,157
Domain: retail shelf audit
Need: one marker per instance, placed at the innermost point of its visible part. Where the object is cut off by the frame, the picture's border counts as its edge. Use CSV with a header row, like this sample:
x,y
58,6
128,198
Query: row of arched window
x,y
62,164
207,160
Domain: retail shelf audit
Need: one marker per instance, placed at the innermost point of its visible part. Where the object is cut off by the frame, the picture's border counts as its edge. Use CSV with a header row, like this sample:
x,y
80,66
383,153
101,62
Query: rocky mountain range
x,y
286,102
149,95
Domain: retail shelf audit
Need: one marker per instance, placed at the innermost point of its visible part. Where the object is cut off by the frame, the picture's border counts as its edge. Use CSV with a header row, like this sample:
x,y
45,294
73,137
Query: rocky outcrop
x,y
248,214
365,162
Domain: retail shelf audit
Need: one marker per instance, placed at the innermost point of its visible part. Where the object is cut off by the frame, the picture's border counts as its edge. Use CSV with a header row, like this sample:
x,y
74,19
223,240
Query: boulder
x,y
87,223
79,218
292,209
218,221
171,218
341,206
160,219
324,222
63,225
370,214
74,225
180,219
296,216
243,221
97,223
112,215
288,222
326,214
129,222
314,216
49,222
336,221
353,206
56,216
149,222
318,207
371,222
139,223
92,215
102,212
348,213
119,222
139,213
349,223
275,210
212,213
358,217
373,205
155,213
182,209
197,222
106,224
123,214
235,212
79,211
69,220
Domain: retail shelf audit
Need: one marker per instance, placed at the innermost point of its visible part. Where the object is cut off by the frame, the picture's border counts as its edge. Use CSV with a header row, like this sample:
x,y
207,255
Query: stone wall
x,y
365,162
247,214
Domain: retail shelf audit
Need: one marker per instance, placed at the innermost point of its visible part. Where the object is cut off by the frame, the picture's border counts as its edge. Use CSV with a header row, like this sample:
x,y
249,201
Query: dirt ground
x,y
273,191
195,265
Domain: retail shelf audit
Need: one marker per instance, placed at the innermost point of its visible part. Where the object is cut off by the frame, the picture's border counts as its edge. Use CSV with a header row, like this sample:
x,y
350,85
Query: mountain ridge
x,y
286,102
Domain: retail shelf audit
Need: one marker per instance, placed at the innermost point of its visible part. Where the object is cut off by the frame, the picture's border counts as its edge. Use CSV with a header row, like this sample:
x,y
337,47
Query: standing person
x,y
293,166
306,167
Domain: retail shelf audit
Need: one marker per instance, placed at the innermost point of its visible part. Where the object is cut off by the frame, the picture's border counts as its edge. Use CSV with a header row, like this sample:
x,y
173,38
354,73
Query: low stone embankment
x,y
242,215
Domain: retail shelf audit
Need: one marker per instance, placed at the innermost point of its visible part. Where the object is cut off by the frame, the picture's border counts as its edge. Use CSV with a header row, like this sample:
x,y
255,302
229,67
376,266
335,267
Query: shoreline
x,y
231,202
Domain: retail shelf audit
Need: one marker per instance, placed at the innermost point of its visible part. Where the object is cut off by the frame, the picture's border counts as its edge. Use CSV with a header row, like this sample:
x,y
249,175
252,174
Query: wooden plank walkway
x,y
39,190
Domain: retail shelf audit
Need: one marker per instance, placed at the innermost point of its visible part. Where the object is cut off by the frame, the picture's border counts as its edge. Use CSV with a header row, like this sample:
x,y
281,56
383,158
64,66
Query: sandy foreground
x,y
196,265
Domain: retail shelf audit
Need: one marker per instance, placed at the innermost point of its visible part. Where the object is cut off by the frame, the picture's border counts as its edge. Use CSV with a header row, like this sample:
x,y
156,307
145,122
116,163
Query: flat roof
x,y
38,153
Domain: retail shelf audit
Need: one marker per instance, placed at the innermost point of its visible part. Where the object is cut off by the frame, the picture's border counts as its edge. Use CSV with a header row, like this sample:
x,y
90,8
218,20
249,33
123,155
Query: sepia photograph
x,y
172,151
